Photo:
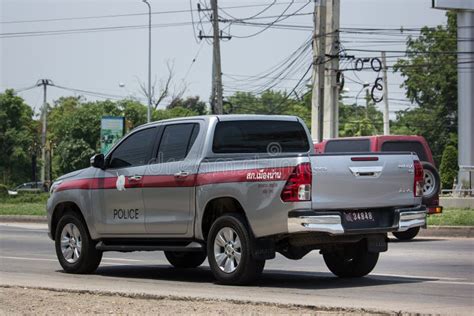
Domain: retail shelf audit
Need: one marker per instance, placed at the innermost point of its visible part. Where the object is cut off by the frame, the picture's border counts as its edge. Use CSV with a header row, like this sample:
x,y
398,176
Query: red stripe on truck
x,y
157,181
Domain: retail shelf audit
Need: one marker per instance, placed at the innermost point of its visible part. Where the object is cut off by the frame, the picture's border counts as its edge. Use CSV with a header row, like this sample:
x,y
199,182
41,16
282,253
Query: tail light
x,y
419,179
298,185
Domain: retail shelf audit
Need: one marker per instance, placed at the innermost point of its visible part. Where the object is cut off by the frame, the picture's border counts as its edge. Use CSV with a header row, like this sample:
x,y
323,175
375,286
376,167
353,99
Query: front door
x,y
119,207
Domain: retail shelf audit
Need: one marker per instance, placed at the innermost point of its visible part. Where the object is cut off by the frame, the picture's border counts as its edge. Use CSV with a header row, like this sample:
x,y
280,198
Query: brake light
x,y
419,178
298,186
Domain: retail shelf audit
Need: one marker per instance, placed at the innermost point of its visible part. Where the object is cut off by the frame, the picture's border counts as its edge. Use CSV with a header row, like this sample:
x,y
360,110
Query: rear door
x,y
169,183
355,181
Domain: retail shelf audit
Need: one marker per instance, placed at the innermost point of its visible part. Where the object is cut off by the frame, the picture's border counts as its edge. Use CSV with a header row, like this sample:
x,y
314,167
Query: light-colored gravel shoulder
x,y
27,301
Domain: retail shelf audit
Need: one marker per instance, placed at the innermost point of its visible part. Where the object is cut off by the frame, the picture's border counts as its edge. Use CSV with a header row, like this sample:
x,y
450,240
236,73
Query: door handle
x,y
181,174
135,178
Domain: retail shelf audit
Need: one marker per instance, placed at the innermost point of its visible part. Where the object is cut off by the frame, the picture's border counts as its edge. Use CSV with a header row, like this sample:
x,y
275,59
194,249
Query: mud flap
x,y
263,249
376,244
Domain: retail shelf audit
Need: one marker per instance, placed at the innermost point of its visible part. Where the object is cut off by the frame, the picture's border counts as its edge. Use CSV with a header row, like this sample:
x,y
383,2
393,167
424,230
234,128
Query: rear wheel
x,y
351,261
229,248
75,249
407,235
185,259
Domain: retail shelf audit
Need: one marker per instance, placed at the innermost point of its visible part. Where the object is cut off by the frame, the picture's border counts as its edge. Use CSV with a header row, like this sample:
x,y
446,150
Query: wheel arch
x,y
218,207
61,209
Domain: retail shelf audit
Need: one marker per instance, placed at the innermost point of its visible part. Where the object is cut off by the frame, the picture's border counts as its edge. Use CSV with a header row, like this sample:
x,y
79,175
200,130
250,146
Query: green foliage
x,y
191,103
269,102
430,72
18,138
3,191
74,127
356,120
449,167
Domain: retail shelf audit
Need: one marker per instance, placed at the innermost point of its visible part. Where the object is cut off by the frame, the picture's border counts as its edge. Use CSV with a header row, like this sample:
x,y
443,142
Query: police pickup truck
x,y
234,189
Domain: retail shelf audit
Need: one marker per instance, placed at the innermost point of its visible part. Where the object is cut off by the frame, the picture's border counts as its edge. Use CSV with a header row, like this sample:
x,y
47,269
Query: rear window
x,y
347,146
260,137
415,147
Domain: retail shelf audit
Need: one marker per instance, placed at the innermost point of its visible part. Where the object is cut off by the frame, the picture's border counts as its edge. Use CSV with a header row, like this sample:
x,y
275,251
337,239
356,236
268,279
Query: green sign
x,y
112,128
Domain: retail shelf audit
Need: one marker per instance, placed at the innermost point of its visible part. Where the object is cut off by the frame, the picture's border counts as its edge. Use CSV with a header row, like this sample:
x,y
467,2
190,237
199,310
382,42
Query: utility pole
x,y
216,91
319,44
45,176
148,113
331,90
367,101
386,118
216,60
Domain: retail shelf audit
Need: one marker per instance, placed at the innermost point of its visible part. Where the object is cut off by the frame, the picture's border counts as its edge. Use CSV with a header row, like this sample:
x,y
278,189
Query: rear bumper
x,y
331,222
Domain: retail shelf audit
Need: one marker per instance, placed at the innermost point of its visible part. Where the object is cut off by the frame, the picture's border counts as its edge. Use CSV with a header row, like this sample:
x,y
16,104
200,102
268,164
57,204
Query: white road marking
x,y
122,259
56,260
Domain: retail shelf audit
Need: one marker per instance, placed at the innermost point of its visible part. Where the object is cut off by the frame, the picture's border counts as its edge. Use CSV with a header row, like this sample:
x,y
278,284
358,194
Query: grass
x,y
23,208
24,204
453,217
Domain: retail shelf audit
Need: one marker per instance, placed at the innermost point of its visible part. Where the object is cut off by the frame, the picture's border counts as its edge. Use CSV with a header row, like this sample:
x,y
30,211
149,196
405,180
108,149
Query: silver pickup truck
x,y
235,189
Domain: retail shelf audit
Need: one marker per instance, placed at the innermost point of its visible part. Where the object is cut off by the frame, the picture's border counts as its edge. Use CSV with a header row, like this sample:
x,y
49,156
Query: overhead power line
x,y
91,17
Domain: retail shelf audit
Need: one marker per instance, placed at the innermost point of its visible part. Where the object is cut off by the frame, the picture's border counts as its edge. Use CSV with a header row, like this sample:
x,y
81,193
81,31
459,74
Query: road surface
x,y
426,275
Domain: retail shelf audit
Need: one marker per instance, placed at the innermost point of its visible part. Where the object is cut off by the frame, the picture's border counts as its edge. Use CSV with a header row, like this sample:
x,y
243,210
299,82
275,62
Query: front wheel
x,y
229,249
185,259
351,261
407,235
75,249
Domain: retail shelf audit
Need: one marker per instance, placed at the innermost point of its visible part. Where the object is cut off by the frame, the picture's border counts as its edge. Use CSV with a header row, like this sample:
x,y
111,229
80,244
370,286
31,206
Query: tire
x,y
185,260
432,183
407,235
352,261
229,239
72,230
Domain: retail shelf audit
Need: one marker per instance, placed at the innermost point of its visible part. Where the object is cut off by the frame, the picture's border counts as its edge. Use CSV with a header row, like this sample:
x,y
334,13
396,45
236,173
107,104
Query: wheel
x,y
229,249
185,259
74,247
408,234
351,261
431,184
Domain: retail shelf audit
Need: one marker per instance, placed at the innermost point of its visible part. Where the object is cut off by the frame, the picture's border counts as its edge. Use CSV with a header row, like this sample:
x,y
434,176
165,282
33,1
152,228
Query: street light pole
x,y
149,61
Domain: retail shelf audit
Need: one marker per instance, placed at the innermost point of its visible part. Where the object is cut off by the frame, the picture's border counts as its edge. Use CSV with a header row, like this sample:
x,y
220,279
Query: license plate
x,y
359,216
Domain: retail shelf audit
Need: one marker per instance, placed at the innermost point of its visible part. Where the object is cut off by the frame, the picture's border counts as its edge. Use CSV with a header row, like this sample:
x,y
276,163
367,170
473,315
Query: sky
x,y
109,55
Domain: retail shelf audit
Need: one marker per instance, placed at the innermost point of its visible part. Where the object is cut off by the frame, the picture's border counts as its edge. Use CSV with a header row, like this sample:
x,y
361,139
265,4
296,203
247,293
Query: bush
x,y
449,167
3,191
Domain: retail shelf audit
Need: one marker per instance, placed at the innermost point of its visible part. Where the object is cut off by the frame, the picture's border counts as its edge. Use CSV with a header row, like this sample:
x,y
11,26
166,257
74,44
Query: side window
x,y
176,141
135,150
348,146
411,146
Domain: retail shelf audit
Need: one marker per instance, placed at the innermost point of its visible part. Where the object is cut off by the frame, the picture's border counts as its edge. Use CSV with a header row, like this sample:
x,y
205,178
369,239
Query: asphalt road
x,y
425,276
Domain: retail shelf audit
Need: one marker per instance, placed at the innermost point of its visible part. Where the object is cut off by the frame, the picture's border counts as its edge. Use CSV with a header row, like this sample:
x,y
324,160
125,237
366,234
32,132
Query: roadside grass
x,y
453,217
24,204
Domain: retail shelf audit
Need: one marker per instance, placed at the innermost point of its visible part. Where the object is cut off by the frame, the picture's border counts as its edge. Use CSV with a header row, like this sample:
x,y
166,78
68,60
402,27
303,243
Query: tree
x,y
190,103
430,73
449,166
18,138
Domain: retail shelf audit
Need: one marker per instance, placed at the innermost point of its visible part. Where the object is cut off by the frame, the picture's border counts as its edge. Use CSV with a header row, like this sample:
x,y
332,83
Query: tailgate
x,y
358,181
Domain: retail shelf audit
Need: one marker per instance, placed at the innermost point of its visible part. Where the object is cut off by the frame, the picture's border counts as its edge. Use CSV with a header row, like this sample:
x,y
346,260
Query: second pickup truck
x,y
235,189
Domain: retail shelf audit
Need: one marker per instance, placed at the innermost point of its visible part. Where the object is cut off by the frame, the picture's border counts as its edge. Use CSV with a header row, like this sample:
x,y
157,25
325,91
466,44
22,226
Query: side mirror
x,y
98,161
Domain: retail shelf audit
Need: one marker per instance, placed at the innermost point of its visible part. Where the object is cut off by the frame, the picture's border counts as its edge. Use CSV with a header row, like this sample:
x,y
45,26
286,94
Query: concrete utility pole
x,y
319,44
216,60
45,176
148,113
331,90
465,29
386,118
